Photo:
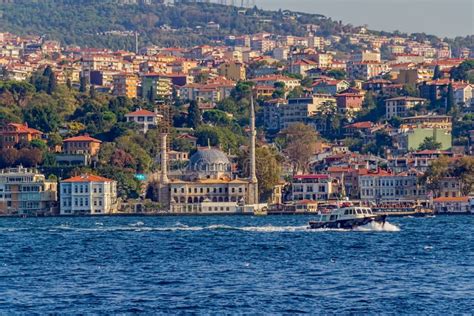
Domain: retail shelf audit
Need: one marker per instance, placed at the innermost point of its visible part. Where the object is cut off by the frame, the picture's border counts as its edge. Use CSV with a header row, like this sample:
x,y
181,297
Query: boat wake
x,y
378,227
140,227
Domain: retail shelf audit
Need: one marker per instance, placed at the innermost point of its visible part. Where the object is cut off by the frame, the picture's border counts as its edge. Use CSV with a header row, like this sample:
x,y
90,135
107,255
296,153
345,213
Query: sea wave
x,y
378,227
372,227
141,227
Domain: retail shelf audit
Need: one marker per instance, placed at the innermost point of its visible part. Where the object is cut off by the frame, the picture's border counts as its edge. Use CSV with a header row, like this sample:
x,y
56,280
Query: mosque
x,y
208,185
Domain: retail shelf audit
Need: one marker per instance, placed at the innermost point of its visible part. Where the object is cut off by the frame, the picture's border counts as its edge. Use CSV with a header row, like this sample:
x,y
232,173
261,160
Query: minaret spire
x,y
164,159
253,168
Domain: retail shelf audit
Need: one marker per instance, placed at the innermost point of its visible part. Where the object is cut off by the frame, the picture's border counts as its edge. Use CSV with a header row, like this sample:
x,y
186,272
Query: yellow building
x,y
125,85
232,70
414,76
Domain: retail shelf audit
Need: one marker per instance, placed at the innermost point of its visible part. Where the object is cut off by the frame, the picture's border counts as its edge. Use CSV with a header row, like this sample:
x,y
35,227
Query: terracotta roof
x,y
20,128
87,178
311,176
84,138
360,125
141,113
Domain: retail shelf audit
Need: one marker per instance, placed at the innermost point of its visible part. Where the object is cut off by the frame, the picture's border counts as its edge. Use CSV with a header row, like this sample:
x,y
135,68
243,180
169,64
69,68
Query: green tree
x,y
20,92
216,117
465,71
437,73
429,143
83,84
436,171
279,90
299,142
194,115
52,83
464,170
42,117
268,166
338,74
450,99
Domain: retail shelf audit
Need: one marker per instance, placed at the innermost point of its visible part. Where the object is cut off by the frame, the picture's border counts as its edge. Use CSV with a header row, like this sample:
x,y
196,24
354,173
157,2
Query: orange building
x,y
12,134
125,85
81,145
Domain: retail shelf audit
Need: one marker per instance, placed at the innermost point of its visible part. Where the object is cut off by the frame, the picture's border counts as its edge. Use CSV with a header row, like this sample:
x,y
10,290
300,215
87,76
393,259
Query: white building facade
x,y
88,195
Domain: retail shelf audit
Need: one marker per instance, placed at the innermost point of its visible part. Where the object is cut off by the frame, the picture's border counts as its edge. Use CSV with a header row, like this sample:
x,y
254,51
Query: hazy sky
x,y
439,17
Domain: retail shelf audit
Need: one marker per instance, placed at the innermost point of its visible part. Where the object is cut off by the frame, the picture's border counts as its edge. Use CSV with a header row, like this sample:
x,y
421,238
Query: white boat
x,y
347,217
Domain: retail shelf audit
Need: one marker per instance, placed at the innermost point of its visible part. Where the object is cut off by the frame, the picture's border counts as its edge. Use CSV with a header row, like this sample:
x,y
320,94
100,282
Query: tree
x,y
437,73
464,170
338,74
52,83
438,169
29,157
429,143
8,157
297,92
20,92
83,84
465,71
268,167
450,99
299,142
279,90
395,121
216,117
42,117
194,115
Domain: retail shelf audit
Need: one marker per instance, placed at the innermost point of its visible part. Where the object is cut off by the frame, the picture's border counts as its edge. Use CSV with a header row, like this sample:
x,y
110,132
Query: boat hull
x,y
347,223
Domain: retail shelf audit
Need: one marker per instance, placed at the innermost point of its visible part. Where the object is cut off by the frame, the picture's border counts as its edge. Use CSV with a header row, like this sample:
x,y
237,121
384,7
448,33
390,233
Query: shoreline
x,y
216,214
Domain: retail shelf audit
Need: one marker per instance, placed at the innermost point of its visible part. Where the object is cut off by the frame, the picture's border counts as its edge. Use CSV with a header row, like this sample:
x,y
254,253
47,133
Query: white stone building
x,y
88,194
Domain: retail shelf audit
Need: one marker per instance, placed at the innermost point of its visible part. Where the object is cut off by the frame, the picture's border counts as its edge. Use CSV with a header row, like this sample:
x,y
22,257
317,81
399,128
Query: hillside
x,y
107,23
81,22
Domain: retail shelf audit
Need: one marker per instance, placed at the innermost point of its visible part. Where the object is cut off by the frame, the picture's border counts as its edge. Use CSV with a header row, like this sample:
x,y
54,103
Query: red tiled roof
x,y
312,176
87,178
141,113
84,138
20,128
340,169
361,125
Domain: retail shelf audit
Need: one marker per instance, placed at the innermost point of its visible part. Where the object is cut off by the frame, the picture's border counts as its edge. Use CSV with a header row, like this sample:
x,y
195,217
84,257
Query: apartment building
x,y
314,187
125,85
401,105
384,186
26,192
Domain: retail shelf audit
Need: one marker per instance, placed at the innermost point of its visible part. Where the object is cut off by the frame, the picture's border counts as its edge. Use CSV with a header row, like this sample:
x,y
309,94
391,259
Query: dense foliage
x,y
87,22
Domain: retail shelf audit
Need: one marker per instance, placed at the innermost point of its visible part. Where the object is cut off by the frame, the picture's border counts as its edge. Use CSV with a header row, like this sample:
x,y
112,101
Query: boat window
x,y
346,212
359,212
333,217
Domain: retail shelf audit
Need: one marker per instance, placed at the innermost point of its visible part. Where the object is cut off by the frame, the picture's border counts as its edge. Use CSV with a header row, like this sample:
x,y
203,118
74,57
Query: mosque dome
x,y
209,160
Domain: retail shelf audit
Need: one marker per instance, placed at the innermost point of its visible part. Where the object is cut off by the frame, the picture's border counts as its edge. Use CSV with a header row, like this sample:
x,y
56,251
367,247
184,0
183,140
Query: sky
x,y
439,17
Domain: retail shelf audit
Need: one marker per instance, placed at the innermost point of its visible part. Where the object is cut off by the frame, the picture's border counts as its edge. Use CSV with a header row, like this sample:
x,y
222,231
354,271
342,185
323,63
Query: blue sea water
x,y
235,265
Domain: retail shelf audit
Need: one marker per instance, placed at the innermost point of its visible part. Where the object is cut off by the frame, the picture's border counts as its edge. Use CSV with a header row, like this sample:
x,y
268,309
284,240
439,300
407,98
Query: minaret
x,y
254,198
164,159
164,189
